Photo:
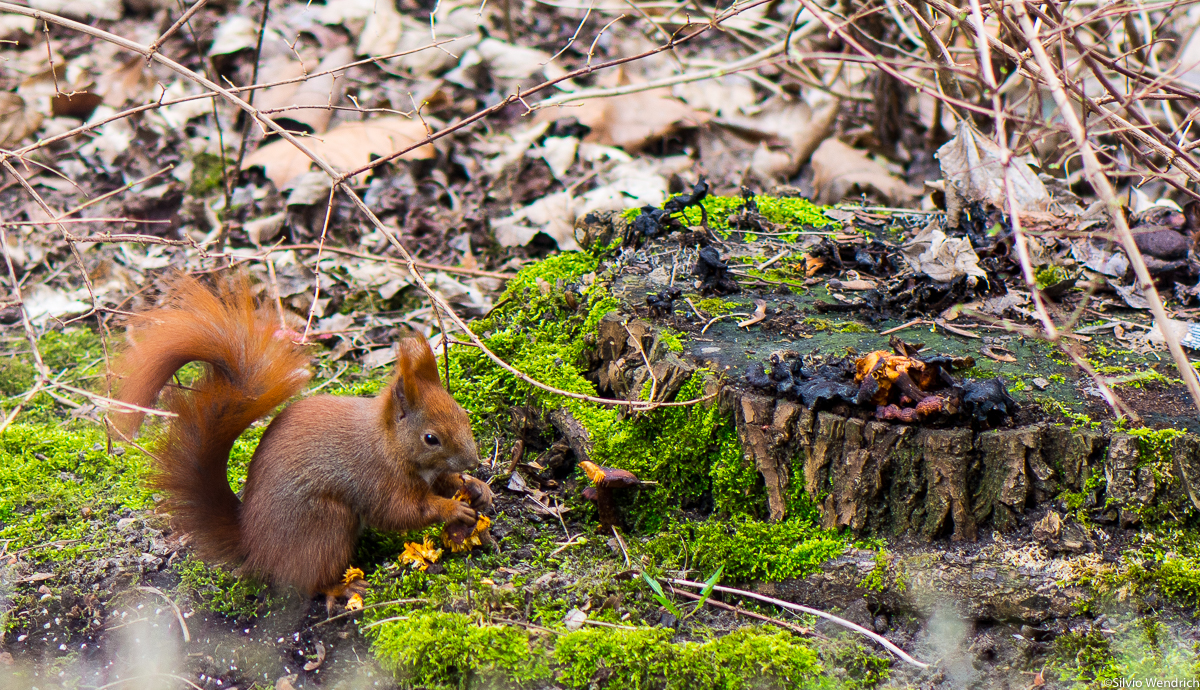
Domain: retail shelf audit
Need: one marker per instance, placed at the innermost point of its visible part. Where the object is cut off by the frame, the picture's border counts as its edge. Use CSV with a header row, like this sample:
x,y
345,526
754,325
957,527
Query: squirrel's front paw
x,y
461,513
478,492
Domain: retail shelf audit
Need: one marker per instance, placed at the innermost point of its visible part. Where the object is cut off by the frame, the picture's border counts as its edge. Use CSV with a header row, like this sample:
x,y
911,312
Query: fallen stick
x,y
739,611
891,647
910,324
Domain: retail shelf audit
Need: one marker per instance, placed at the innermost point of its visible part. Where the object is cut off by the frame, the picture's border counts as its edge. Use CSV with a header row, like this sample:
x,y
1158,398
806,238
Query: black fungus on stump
x,y
663,303
713,273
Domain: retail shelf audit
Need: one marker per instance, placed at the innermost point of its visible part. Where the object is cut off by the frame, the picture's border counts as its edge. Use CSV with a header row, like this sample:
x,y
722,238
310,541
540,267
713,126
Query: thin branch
x,y
183,19
1094,172
888,644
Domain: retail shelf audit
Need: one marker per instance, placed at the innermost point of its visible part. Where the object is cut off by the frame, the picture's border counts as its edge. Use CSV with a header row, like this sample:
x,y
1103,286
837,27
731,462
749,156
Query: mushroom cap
x,y
885,368
608,477
883,365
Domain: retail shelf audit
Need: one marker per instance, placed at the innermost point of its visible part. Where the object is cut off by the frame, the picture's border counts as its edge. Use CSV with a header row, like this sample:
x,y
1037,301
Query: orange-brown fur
x,y
325,467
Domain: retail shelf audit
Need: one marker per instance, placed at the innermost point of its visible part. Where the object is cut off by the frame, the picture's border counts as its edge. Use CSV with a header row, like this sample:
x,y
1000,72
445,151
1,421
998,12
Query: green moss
x,y
1165,562
979,371
877,579
1134,650
207,175
1154,448
1078,420
1078,502
736,485
537,331
214,588
859,666
792,213
753,549
647,659
819,324
1141,379
1051,274
715,306
1155,452
74,353
62,494
852,327
673,341
242,453
431,649
433,630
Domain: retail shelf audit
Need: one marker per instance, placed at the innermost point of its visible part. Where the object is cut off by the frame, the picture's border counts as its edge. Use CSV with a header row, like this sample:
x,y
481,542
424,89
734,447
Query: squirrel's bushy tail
x,y
251,369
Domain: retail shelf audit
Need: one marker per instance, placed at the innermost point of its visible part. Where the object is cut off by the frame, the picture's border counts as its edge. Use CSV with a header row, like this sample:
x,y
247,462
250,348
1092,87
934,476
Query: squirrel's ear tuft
x,y
415,361
415,368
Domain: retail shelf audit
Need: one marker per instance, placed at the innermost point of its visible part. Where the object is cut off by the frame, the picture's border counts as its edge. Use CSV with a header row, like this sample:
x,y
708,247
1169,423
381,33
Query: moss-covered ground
x,y
554,603
75,520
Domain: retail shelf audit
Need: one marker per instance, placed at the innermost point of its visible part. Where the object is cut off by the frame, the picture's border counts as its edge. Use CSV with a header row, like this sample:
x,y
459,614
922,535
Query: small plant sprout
x,y
670,606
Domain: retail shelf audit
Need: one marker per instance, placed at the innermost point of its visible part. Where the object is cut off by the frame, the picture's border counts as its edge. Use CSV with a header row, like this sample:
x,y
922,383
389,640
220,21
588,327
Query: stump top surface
x,y
1039,373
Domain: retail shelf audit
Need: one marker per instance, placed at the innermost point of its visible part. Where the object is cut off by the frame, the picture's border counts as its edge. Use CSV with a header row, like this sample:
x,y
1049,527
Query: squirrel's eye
x,y
431,440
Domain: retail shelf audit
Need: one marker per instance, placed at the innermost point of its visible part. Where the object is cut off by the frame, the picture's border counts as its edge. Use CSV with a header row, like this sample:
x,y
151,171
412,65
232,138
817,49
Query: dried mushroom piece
x,y
422,555
903,386
460,537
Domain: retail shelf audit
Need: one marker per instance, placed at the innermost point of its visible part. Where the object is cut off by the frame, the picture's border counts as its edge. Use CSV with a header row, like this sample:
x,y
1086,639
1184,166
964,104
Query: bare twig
x,y
888,644
187,636
1095,175
340,178
183,19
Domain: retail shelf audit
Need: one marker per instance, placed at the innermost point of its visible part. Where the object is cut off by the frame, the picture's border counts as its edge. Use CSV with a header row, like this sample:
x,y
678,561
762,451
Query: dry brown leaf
x,y
852,285
508,61
279,68
760,313
999,354
940,257
812,264
633,120
553,214
16,120
111,10
789,131
973,167
838,169
316,663
317,91
348,146
381,29
78,104
130,81
726,96
235,33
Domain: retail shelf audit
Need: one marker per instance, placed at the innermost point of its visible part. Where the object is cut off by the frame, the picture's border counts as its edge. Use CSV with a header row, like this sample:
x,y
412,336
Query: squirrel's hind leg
x,y
309,549
352,587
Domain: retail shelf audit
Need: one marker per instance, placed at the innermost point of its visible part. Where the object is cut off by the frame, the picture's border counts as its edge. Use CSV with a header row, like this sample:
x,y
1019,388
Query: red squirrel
x,y
326,467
